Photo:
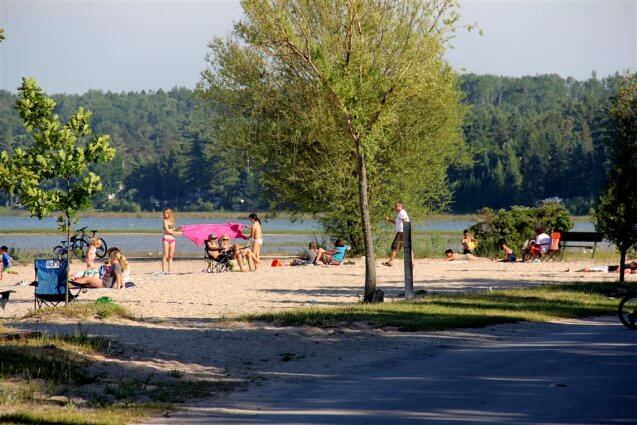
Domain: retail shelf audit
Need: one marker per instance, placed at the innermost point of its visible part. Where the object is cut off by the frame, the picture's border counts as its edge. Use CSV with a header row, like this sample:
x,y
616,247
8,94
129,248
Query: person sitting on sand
x,y
126,271
5,266
112,277
91,255
452,256
469,243
335,256
509,256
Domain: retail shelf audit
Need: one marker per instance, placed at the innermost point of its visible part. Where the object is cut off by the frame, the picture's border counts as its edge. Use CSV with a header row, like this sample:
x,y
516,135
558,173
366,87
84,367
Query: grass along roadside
x,y
65,380
102,308
449,311
42,381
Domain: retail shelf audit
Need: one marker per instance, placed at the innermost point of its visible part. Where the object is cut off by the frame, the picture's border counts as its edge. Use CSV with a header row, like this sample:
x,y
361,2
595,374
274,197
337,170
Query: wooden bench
x,y
581,237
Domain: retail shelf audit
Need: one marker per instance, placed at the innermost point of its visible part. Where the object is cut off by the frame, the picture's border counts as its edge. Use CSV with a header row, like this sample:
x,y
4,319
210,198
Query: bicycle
x,y
627,310
80,242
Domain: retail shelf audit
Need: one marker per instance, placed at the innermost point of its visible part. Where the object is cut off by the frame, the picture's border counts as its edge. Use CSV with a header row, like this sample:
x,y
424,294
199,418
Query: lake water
x,y
150,244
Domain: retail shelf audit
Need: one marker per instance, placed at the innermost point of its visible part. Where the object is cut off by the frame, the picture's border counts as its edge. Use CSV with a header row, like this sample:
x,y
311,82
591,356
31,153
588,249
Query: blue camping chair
x,y
50,283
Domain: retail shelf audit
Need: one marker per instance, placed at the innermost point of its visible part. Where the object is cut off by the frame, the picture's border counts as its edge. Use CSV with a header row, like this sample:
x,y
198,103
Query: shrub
x,y
121,205
516,225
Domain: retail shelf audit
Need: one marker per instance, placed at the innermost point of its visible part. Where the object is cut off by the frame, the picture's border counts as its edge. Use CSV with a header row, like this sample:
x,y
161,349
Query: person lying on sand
x,y
307,257
452,256
631,268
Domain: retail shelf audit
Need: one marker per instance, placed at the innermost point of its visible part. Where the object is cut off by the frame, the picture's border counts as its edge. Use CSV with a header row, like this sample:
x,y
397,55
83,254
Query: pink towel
x,y
198,233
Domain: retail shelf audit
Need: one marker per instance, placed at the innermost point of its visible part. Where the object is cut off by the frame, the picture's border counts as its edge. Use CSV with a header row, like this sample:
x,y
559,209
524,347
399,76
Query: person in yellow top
x,y
469,243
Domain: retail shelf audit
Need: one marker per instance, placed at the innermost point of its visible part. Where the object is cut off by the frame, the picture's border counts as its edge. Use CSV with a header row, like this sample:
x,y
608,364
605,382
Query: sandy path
x,y
192,295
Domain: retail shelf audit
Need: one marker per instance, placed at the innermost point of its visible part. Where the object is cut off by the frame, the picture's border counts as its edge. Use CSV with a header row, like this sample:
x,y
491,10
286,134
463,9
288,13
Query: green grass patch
x,y
32,370
81,310
57,360
440,312
113,415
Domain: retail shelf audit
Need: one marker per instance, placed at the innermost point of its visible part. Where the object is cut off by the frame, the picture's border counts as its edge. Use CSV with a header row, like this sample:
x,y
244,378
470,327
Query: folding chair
x,y
217,266
50,283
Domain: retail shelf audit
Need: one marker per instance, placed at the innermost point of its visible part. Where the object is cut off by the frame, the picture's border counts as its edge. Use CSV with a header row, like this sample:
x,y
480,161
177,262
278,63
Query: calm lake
x,y
301,231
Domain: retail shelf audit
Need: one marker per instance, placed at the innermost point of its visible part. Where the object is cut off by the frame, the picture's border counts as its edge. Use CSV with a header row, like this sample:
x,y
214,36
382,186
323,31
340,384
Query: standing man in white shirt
x,y
400,218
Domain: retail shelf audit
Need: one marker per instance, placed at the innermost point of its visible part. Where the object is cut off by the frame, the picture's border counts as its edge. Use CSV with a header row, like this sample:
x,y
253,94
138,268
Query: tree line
x,y
526,139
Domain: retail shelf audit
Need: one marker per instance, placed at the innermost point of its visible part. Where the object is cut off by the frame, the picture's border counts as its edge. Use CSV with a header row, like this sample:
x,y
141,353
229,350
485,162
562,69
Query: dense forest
x,y
530,138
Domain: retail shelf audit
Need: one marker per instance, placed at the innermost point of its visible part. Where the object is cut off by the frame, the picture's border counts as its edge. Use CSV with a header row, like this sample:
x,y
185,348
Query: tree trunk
x,y
622,260
370,260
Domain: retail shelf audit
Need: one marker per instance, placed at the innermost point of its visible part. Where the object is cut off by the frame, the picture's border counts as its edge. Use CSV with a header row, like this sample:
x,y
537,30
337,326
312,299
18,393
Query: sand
x,y
191,295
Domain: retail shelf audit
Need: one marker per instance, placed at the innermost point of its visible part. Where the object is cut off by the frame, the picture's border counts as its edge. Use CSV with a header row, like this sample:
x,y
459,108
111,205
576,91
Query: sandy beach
x,y
190,295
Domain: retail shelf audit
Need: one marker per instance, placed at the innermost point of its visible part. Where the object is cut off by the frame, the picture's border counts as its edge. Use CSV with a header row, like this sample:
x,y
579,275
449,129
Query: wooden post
x,y
409,268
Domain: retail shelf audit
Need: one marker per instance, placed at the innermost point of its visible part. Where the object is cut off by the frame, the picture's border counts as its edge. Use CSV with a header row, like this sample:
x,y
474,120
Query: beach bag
x,y
298,262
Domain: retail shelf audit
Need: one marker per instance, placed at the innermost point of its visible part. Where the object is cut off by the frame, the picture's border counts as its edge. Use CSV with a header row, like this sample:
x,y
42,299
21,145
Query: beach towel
x,y
198,233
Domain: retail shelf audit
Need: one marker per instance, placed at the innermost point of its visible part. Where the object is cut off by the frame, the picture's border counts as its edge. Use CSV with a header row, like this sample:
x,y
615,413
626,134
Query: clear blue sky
x,y
120,45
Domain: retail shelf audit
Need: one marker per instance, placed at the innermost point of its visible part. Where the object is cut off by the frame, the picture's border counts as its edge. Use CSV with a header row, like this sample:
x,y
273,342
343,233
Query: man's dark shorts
x,y
397,244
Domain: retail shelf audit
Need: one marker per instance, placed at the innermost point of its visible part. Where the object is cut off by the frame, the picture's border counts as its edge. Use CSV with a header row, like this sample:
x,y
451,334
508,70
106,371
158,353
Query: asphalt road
x,y
581,372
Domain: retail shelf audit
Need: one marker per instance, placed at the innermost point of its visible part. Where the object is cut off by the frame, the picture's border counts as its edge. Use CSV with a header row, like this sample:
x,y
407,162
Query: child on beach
x,y
469,243
452,256
91,254
5,267
335,256
256,234
509,256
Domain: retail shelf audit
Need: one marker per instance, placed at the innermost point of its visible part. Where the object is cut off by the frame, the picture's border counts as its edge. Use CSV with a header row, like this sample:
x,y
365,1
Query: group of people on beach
x,y
115,273
216,247
542,243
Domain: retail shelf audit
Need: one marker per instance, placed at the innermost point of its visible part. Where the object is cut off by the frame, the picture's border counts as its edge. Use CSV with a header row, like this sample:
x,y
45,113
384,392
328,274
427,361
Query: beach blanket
x,y
198,233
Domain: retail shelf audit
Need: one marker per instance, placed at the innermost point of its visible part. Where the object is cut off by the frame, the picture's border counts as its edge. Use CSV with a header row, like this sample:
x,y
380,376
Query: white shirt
x,y
400,217
544,241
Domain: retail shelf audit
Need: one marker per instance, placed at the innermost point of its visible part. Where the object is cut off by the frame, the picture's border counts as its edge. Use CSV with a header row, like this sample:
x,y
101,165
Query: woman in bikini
x,y
256,234
168,241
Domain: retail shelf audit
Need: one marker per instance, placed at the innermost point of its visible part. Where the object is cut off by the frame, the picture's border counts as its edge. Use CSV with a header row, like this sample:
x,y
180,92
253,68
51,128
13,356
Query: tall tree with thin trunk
x,y
348,106
53,172
616,215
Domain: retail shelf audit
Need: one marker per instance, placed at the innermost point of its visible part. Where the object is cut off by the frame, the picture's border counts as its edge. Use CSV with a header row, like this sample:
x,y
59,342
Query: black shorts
x,y
397,244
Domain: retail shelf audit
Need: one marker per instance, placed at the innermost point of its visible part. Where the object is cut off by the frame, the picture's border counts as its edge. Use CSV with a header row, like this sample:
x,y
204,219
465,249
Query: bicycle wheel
x,y
59,251
627,311
101,249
